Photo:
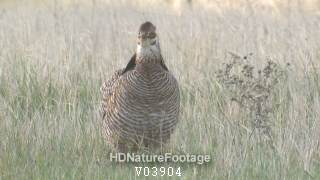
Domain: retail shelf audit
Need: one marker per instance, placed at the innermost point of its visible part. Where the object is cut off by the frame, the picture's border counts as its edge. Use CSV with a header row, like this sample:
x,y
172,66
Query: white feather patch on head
x,y
149,48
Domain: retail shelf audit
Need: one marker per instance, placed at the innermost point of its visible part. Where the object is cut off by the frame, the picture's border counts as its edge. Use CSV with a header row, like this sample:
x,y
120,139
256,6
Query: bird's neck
x,y
148,61
148,55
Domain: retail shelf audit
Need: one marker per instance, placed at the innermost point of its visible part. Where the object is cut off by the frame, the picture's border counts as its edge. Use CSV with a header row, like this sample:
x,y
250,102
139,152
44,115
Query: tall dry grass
x,y
54,57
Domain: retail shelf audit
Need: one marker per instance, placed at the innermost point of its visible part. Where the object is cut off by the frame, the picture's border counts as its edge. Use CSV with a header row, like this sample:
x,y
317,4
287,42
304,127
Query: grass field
x,y
54,57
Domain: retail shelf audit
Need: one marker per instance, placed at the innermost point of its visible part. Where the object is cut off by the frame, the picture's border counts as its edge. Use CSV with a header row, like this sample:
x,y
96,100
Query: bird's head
x,y
148,42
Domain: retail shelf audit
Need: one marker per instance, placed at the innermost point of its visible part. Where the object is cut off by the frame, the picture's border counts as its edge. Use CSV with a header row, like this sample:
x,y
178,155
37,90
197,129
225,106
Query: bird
x,y
141,102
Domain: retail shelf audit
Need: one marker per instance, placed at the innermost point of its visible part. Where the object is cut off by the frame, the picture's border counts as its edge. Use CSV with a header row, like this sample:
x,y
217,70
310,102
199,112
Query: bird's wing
x,y
107,89
108,86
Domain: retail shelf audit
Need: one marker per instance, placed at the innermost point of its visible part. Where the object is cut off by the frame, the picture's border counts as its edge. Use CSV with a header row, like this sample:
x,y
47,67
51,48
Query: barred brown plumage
x,y
141,103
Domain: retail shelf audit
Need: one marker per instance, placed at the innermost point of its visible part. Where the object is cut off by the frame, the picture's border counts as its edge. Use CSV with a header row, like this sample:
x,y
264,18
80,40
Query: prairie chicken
x,y
141,102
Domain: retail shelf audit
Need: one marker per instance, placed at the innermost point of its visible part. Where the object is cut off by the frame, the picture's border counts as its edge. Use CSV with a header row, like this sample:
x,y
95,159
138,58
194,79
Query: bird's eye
x,y
151,35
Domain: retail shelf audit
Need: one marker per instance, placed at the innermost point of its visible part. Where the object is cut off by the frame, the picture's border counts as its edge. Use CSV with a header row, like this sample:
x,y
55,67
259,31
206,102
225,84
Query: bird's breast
x,y
145,104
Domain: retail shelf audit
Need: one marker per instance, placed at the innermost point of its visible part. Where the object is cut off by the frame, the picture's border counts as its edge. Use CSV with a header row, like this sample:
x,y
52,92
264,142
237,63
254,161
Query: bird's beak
x,y
144,42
